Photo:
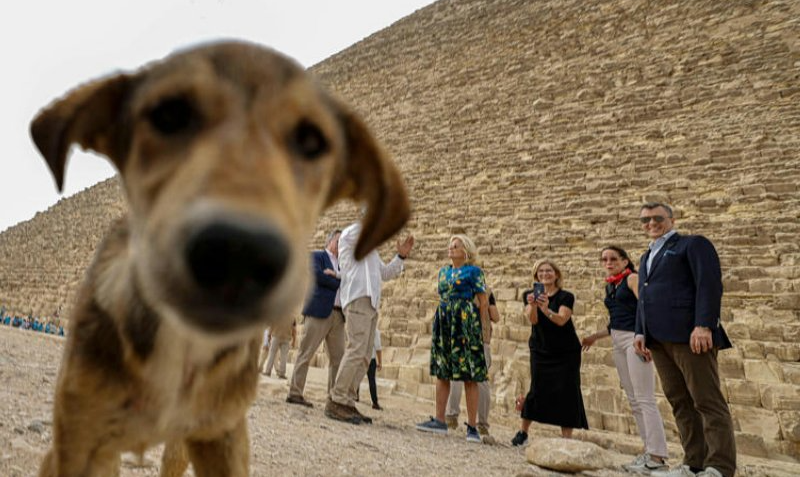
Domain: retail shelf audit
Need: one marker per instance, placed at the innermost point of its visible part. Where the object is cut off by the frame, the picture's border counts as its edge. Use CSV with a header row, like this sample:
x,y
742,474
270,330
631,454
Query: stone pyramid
x,y
538,127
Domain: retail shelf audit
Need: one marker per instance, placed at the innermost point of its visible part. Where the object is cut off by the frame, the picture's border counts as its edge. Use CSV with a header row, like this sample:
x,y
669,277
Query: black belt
x,y
339,308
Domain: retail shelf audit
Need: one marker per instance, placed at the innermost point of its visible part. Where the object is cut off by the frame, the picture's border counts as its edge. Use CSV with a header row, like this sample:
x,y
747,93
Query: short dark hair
x,y
330,236
655,205
622,254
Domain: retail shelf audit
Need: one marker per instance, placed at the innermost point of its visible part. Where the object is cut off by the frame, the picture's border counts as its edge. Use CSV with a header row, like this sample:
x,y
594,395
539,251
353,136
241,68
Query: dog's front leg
x,y
226,456
175,461
58,463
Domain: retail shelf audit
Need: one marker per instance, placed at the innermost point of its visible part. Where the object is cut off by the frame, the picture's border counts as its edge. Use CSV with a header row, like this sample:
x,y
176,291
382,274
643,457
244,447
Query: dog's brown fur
x,y
223,132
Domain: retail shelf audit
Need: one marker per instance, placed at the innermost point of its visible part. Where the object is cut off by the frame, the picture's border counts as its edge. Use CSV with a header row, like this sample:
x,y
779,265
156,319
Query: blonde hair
x,y
547,261
470,250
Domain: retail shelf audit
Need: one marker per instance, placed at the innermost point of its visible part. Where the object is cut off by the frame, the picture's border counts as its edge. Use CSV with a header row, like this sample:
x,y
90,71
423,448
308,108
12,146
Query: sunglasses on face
x,y
657,218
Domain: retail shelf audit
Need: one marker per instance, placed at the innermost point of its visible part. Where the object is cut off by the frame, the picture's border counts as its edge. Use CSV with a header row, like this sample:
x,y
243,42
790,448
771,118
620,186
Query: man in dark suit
x,y
323,320
678,327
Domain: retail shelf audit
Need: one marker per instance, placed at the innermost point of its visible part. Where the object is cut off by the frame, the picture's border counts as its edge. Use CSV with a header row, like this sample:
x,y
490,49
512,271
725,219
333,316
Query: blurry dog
x,y
228,153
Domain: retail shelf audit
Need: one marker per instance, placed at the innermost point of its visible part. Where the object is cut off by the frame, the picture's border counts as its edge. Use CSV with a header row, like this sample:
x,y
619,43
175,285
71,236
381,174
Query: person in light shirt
x,y
360,294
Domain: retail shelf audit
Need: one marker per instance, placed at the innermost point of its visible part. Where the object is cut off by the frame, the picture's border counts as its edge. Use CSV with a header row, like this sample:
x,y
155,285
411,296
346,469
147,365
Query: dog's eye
x,y
172,116
308,141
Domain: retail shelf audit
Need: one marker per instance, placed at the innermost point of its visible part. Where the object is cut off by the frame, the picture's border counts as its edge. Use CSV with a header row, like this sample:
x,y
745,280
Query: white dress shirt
x,y
363,278
335,261
377,343
655,247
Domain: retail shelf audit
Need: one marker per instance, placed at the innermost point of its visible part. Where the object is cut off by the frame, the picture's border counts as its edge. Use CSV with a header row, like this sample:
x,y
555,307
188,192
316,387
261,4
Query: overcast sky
x,y
50,46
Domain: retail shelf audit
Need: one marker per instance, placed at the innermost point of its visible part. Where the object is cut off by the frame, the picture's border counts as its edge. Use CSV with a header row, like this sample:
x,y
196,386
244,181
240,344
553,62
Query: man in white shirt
x,y
360,293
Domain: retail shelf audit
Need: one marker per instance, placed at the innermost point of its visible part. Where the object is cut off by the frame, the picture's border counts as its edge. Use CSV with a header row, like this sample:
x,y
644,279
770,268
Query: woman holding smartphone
x,y
637,374
555,393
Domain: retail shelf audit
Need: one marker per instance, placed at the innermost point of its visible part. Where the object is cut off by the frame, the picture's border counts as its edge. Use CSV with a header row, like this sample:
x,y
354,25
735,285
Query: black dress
x,y
555,394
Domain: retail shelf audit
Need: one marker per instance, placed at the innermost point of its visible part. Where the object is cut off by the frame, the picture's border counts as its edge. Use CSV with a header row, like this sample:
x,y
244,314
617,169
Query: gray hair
x,y
330,236
655,205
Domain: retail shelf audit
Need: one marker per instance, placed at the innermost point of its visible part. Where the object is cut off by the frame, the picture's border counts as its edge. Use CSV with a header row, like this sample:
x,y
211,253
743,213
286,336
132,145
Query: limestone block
x,y
750,444
790,425
427,391
791,332
757,421
605,399
424,342
401,340
567,455
402,355
520,334
783,351
752,349
618,422
767,332
390,371
407,387
760,285
508,348
787,301
417,328
742,392
506,294
737,330
780,396
760,372
791,373
731,364
420,356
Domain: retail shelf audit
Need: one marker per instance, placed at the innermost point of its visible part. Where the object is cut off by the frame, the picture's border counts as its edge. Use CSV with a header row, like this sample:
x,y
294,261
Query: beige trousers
x,y
639,382
315,331
282,345
360,323
484,395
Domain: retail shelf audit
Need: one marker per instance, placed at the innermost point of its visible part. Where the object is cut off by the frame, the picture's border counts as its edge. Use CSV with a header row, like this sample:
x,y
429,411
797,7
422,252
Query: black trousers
x,y
373,386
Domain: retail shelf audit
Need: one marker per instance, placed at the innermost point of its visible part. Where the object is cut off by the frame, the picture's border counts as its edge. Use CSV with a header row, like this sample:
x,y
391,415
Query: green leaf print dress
x,y
457,343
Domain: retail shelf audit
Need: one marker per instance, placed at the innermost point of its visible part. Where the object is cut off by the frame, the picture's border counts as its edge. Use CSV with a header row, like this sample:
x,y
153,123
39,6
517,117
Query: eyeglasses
x,y
657,218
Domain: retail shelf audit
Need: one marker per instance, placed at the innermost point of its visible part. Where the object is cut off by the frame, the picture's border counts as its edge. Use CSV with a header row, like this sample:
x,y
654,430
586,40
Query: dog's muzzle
x,y
235,264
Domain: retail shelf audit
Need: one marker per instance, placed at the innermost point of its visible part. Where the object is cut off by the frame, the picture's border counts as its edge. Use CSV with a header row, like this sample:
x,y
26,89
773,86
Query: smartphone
x,y
538,290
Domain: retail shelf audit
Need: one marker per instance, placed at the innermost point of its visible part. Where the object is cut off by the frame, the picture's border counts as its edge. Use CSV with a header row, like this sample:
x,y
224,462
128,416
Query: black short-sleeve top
x,y
546,336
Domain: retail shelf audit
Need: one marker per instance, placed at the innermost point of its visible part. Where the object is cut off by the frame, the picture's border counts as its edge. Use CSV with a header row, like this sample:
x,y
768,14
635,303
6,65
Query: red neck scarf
x,y
617,279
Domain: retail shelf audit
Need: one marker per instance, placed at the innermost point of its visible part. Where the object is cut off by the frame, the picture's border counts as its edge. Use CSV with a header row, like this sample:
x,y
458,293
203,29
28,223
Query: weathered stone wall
x,y
538,128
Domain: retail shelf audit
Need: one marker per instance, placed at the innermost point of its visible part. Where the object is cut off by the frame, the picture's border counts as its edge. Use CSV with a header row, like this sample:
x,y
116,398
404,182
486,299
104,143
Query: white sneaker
x,y
680,471
644,464
710,472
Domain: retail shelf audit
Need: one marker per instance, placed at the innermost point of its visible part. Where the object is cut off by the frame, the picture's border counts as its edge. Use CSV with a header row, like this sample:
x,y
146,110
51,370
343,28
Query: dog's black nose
x,y
235,264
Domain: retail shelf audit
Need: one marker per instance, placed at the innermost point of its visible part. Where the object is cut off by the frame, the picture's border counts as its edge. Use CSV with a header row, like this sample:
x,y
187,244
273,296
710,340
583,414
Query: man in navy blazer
x,y
323,320
678,327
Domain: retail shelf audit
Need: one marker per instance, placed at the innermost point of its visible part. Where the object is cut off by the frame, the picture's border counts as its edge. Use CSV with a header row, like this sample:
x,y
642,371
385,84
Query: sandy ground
x,y
292,440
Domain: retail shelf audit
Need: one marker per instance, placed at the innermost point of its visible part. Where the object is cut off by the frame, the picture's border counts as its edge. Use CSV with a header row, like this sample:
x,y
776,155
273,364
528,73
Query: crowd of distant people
x,y
663,319
49,326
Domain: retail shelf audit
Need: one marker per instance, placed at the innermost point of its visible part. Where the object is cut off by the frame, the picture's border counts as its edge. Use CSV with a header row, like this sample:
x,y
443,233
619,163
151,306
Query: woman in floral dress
x,y
457,342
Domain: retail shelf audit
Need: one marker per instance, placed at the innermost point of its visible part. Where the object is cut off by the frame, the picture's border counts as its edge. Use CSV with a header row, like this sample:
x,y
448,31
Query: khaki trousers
x,y
691,385
638,379
361,320
484,395
315,331
282,345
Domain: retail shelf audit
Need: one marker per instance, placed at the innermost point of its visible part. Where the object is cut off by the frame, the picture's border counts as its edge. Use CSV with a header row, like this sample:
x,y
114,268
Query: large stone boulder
x,y
567,455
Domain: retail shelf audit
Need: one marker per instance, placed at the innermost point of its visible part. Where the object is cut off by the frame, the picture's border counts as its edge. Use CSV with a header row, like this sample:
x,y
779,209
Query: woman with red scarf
x,y
636,374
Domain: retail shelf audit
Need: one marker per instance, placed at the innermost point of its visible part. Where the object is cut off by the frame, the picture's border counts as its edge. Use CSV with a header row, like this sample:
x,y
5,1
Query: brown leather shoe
x,y
298,400
364,419
342,413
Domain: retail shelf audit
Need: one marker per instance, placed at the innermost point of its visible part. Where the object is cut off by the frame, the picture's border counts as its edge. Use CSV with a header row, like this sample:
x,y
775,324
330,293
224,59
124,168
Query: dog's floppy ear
x,y
87,116
373,179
